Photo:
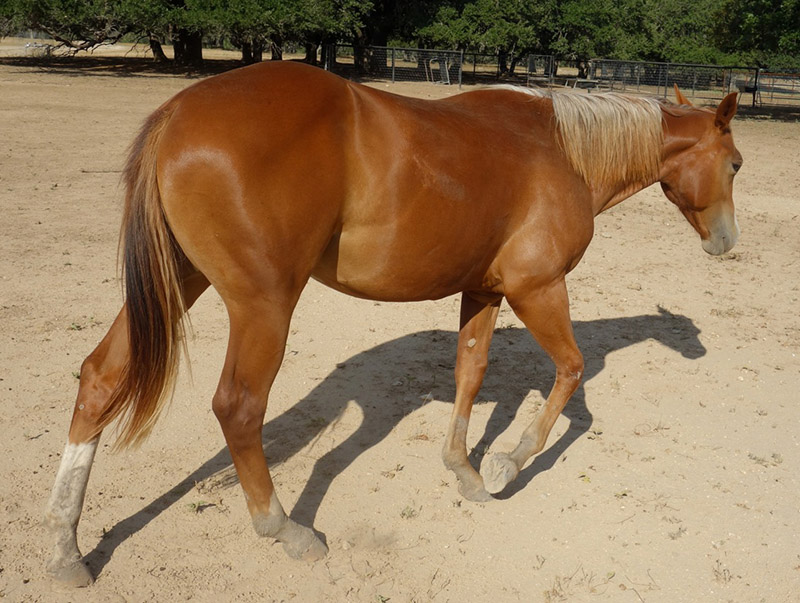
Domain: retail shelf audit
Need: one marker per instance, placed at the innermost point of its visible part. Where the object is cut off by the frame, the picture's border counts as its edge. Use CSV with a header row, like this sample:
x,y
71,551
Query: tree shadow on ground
x,y
787,113
120,66
392,380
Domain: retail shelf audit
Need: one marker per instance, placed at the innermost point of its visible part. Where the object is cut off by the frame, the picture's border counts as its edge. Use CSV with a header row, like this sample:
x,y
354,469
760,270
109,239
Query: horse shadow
x,y
392,380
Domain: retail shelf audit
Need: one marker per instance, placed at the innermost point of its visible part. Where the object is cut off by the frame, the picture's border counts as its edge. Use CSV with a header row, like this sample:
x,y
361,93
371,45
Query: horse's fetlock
x,y
270,525
451,458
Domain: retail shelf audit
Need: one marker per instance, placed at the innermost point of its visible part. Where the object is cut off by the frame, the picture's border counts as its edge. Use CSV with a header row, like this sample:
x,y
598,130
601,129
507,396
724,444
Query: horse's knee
x,y
237,410
572,367
97,383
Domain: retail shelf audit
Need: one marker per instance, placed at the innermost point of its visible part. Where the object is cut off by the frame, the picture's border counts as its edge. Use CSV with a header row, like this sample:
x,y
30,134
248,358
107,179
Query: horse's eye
x,y
736,166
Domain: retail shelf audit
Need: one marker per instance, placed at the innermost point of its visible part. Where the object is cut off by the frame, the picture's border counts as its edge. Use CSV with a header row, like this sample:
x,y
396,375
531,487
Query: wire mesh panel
x,y
485,68
541,69
772,88
480,67
397,64
697,82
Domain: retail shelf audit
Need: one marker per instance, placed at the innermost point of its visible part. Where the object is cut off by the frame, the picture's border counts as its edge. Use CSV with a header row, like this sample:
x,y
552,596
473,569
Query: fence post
x,y
327,50
460,67
393,65
528,72
755,86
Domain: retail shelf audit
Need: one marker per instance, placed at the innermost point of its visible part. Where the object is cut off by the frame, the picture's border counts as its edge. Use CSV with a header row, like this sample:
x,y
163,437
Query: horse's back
x,y
377,195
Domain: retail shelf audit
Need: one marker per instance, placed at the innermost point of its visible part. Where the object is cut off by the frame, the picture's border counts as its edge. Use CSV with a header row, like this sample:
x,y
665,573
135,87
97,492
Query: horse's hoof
x,y
474,493
74,575
317,551
305,545
498,471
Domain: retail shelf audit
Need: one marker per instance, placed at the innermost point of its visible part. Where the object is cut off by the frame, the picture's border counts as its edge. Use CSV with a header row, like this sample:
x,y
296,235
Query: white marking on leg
x,y
66,502
271,523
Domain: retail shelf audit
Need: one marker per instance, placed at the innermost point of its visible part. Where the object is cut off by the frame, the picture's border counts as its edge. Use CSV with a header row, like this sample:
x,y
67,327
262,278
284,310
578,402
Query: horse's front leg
x,y
545,312
477,325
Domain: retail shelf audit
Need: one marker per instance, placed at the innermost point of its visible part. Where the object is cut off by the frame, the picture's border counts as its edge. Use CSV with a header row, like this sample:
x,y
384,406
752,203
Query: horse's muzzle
x,y
722,239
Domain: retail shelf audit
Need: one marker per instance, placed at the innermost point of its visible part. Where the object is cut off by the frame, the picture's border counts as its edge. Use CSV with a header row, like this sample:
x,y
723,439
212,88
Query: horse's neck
x,y
680,127
606,199
620,154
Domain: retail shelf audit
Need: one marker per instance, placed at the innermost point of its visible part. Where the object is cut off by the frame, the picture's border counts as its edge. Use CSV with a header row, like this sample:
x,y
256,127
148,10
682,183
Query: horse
x,y
257,180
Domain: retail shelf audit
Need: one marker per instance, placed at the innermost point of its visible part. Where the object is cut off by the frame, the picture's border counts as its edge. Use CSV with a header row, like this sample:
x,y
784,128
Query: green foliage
x,y
587,28
78,24
487,26
766,32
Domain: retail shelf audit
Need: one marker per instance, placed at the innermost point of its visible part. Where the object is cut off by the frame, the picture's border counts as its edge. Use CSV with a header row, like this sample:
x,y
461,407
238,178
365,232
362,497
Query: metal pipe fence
x,y
698,82
774,89
396,64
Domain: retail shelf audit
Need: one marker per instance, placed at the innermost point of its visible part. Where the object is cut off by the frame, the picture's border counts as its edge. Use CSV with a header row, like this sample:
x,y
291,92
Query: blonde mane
x,y
608,138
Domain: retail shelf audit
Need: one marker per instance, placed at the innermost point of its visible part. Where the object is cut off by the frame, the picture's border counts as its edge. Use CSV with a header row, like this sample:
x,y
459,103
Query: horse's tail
x,y
154,301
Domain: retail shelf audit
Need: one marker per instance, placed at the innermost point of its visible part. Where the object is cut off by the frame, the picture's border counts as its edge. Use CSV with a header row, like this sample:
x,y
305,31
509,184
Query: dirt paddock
x,y
670,476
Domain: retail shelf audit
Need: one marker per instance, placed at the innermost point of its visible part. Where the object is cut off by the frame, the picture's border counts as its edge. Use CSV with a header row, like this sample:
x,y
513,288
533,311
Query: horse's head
x,y
699,163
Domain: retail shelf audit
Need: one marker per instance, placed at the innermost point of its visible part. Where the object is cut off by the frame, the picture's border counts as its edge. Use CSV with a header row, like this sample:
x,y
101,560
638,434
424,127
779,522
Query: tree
x,y
679,31
318,22
765,32
251,25
76,24
585,29
508,28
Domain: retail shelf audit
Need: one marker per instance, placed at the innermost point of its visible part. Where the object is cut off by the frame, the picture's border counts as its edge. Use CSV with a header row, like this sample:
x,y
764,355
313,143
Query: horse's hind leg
x,y
100,373
255,351
545,311
475,334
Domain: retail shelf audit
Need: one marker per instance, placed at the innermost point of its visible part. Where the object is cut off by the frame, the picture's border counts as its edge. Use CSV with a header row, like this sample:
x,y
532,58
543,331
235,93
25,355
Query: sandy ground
x,y
670,476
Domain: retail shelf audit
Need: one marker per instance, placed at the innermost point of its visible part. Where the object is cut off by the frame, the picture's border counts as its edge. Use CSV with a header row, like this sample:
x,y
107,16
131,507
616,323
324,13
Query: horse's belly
x,y
378,267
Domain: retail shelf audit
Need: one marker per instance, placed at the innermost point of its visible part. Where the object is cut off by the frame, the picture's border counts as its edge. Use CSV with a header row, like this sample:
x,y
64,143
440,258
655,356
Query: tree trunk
x,y
276,48
311,53
502,62
188,47
258,51
247,53
158,52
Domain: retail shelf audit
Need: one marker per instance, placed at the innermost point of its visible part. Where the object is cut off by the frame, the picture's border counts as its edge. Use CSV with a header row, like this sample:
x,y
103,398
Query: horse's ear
x,y
726,110
682,100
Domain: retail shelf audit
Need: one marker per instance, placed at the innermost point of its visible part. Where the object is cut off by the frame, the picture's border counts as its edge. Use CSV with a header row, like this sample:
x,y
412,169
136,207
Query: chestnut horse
x,y
256,180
